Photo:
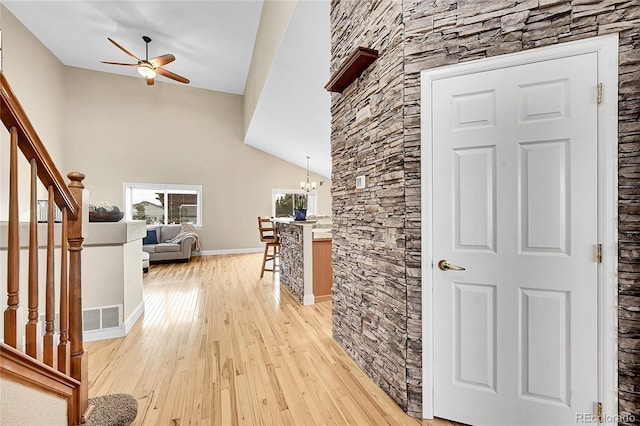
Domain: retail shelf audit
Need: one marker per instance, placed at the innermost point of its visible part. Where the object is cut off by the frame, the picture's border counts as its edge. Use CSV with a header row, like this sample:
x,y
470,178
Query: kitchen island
x,y
305,258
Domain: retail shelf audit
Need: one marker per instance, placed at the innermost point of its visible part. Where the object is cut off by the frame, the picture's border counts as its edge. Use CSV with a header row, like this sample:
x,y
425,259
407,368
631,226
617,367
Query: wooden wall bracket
x,y
351,69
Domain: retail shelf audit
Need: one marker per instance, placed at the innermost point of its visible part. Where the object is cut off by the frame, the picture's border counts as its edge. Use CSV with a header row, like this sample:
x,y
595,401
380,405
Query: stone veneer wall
x,y
292,259
369,277
376,131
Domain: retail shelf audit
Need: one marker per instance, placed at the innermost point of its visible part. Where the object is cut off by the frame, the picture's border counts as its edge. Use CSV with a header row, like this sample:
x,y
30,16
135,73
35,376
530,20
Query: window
x,y
282,202
163,203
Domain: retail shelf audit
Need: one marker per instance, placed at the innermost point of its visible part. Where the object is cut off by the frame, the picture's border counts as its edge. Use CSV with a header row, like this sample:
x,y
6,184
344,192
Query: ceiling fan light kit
x,y
149,68
146,71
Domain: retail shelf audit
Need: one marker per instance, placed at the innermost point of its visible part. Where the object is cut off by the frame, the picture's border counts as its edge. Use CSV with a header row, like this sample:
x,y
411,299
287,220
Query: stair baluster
x,y
31,329
50,291
13,248
64,348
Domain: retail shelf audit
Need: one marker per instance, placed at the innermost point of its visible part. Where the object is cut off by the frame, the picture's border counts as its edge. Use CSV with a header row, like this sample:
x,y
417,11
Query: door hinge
x,y
598,253
599,95
598,410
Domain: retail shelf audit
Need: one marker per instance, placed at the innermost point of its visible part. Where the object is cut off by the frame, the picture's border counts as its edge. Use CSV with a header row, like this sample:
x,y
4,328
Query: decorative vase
x,y
301,214
105,216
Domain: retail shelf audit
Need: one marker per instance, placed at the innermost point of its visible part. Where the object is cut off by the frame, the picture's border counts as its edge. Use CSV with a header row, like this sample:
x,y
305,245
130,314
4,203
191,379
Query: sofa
x,y
168,243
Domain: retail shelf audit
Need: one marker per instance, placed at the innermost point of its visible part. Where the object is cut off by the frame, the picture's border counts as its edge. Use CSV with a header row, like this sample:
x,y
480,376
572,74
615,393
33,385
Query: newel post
x,y
79,362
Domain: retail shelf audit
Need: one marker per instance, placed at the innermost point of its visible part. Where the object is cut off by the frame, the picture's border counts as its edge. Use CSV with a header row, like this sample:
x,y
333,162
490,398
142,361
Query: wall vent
x,y
102,317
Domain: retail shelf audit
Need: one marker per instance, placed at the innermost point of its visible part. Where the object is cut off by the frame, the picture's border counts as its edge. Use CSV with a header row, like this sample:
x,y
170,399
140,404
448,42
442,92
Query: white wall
x,y
273,24
121,130
37,79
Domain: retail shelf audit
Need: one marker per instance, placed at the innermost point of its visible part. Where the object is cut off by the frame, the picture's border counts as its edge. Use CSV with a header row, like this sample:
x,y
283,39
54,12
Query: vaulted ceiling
x,y
213,44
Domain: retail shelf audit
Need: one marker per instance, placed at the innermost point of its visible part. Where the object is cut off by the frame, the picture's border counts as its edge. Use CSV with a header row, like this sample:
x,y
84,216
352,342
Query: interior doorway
x,y
518,178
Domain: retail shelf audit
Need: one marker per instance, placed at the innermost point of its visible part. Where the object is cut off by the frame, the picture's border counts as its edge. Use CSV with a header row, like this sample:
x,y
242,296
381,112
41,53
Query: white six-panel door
x,y
515,204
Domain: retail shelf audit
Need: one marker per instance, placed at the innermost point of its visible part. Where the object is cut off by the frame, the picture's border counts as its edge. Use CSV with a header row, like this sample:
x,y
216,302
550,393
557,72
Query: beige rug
x,y
118,409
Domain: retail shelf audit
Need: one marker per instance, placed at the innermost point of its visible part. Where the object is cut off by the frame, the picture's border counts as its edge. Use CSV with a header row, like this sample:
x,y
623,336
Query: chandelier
x,y
307,186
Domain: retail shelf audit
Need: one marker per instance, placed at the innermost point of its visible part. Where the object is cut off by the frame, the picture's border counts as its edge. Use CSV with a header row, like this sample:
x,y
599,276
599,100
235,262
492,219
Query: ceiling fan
x,y
149,67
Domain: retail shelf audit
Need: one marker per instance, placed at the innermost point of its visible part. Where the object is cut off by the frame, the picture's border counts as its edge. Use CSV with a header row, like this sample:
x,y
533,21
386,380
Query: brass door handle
x,y
446,266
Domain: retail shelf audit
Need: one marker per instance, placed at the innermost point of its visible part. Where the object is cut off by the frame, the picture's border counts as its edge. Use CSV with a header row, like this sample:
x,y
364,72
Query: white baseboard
x,y
308,299
104,334
230,251
133,318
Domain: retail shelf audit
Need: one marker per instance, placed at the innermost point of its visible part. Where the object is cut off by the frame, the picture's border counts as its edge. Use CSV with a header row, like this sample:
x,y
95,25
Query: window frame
x,y
312,200
167,188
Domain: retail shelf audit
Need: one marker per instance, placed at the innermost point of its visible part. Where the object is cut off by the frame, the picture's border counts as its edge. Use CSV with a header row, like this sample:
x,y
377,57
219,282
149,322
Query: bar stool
x,y
269,236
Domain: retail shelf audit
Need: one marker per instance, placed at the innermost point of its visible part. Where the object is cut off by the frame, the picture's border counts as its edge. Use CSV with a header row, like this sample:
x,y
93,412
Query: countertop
x,y
321,231
322,234
293,221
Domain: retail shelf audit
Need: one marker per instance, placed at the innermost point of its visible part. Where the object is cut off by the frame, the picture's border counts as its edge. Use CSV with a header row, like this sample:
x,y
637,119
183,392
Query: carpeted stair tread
x,y
118,409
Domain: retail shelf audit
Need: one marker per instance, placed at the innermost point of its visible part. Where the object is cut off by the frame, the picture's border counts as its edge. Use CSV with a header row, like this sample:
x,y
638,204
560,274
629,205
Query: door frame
x,y
606,48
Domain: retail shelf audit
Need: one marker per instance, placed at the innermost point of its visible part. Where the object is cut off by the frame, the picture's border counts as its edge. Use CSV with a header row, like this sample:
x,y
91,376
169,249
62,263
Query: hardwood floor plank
x,y
219,346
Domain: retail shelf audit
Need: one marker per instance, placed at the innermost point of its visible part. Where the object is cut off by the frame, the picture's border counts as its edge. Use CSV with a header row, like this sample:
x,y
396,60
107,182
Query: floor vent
x,y
100,318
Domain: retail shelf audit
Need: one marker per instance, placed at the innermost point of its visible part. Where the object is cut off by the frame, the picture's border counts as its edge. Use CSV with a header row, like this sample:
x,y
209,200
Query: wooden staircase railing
x,y
69,356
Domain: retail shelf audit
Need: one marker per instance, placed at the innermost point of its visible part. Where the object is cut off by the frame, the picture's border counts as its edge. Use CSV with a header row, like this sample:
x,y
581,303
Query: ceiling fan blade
x,y
172,76
149,81
159,61
123,49
119,63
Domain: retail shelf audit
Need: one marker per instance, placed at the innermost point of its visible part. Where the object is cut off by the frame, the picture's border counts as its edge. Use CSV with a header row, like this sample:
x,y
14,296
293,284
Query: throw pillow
x,y
151,238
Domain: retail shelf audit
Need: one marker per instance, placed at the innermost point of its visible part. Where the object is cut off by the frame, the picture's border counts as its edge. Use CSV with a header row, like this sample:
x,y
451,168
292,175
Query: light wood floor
x,y
218,345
